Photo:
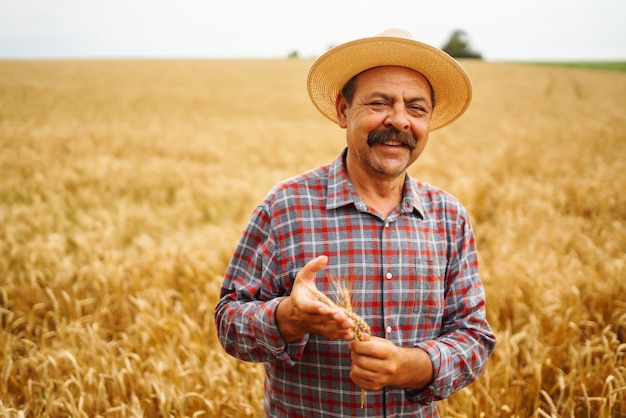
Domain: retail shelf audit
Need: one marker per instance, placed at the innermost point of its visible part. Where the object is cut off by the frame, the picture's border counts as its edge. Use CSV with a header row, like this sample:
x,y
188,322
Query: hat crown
x,y
396,33
450,84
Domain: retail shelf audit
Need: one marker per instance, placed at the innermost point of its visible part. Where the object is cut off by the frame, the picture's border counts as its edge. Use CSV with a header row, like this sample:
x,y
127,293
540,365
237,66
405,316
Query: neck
x,y
379,192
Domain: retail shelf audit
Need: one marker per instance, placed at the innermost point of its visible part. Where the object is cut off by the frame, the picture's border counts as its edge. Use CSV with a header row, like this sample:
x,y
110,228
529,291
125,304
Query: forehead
x,y
391,76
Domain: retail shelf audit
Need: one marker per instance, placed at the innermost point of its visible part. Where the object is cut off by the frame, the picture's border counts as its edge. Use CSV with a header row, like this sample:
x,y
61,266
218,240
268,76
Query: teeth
x,y
393,143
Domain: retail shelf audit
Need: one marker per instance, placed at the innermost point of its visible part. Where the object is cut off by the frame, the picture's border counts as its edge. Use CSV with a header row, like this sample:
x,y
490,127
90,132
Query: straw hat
x,y
396,47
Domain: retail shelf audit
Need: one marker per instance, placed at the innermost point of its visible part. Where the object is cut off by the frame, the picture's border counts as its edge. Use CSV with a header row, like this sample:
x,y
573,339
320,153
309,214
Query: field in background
x,y
596,65
125,184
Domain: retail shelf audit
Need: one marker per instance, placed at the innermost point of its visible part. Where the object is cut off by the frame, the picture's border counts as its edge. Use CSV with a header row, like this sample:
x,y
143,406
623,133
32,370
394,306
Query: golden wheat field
x,y
124,186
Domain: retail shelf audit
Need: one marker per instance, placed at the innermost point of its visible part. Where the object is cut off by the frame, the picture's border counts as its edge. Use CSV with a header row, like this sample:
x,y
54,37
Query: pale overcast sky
x,y
499,29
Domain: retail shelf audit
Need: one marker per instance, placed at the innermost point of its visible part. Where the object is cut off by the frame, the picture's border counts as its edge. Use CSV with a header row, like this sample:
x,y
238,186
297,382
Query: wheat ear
x,y
360,326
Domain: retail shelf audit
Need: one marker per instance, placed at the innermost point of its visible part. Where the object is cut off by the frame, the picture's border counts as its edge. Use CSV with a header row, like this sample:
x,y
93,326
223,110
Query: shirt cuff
x,y
269,338
427,395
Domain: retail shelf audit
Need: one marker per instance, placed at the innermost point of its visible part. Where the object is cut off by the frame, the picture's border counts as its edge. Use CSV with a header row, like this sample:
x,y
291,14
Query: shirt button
x,y
388,330
388,276
386,224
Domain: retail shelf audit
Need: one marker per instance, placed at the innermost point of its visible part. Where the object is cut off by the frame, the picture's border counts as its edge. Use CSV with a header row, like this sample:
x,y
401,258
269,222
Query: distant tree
x,y
458,46
293,54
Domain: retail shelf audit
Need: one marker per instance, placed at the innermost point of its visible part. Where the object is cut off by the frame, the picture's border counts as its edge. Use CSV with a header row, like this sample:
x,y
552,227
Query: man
x,y
403,248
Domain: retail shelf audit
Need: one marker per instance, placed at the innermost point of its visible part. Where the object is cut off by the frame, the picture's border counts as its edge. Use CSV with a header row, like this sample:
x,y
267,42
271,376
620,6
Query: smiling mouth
x,y
393,143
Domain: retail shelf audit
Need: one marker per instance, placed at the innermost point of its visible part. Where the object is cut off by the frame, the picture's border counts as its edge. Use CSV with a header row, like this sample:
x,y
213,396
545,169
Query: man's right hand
x,y
302,313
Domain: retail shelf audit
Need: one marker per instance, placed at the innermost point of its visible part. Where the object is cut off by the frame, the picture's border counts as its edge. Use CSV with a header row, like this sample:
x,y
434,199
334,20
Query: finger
x,y
357,345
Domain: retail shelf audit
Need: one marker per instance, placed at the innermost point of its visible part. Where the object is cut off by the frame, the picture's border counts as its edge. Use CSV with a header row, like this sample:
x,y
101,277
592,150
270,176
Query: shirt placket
x,y
389,275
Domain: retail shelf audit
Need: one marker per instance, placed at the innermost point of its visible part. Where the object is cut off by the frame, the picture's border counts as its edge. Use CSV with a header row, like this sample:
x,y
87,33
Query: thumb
x,y
307,274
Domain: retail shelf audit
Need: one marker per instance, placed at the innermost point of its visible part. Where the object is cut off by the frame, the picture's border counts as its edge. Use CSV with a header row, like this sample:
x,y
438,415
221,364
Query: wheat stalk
x,y
345,304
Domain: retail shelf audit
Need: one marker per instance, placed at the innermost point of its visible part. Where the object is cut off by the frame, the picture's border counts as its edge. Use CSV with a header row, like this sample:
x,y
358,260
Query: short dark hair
x,y
350,87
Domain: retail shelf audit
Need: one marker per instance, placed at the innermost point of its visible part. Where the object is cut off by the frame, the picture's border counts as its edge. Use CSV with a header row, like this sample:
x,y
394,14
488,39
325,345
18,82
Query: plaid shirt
x,y
413,277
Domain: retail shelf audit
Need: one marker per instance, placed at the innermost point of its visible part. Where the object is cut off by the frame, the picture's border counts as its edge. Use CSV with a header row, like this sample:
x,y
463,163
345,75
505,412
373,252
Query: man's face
x,y
387,122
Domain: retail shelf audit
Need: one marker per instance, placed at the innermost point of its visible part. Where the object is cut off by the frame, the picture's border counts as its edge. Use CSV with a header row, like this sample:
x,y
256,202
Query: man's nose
x,y
397,118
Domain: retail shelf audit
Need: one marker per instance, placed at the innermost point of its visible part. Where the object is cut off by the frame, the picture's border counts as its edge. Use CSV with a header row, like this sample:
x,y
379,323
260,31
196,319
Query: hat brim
x,y
331,71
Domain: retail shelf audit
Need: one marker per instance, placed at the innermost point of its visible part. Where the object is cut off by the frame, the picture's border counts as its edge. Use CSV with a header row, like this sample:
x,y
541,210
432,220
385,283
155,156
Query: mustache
x,y
389,133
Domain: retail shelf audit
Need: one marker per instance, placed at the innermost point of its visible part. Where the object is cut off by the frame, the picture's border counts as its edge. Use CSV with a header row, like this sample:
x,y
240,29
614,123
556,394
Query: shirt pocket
x,y
427,294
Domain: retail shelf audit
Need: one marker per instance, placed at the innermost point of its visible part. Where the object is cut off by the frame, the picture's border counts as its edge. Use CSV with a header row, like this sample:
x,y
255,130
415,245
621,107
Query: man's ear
x,y
341,106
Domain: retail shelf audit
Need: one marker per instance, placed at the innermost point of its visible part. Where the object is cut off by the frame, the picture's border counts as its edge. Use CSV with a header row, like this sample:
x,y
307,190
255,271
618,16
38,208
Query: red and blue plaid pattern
x,y
413,277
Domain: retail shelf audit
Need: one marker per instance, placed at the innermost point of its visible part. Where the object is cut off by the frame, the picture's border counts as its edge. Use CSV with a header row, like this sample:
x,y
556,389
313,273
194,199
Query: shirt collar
x,y
341,192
